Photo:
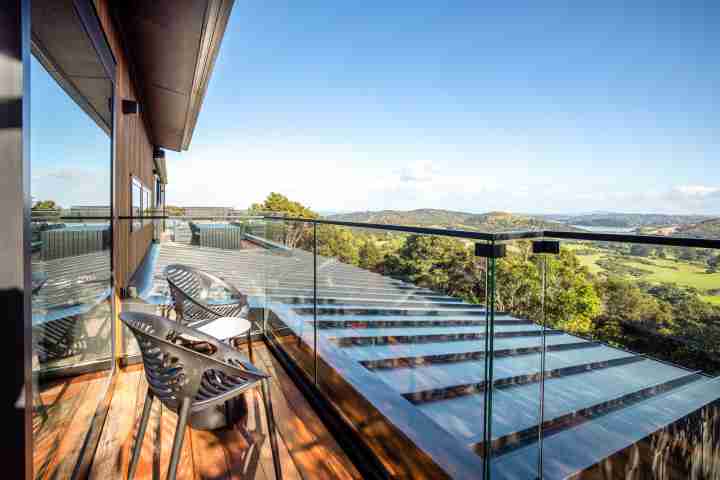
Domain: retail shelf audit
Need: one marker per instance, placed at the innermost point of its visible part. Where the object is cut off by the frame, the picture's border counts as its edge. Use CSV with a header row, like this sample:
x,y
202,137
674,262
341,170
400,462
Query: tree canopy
x,y
279,203
45,205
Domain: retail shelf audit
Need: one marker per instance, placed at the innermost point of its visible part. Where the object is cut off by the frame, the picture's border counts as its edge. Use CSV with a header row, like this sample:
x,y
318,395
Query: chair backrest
x,y
175,372
191,288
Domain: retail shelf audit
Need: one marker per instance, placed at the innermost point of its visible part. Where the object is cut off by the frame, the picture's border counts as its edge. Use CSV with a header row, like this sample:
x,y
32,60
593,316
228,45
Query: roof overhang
x,y
67,41
172,45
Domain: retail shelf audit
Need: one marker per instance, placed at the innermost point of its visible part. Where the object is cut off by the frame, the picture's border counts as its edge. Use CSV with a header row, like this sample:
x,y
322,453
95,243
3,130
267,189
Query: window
x,y
136,211
71,284
147,206
158,192
142,205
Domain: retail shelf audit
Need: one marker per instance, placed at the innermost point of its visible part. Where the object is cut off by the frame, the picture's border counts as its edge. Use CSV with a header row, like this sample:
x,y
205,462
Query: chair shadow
x,y
242,441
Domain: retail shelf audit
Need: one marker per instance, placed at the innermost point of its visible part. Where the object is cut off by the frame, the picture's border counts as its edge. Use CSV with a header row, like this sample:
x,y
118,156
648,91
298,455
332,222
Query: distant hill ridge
x,y
704,229
494,221
697,226
618,219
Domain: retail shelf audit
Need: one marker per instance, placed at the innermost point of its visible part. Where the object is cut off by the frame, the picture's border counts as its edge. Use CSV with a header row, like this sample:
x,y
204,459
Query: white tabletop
x,y
226,327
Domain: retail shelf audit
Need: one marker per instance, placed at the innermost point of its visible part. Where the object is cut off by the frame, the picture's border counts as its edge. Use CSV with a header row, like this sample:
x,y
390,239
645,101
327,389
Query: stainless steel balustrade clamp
x,y
490,250
551,247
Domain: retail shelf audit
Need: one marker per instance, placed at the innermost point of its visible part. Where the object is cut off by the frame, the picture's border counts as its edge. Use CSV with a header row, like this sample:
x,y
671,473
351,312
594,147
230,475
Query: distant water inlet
x,y
605,229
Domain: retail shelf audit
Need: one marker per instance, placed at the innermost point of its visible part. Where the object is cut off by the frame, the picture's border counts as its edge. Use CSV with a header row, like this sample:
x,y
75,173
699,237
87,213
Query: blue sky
x,y
476,106
70,154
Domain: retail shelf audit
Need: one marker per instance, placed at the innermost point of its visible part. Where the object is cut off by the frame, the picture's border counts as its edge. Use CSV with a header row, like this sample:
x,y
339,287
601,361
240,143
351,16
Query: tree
x,y
276,203
46,205
174,211
519,285
338,243
688,254
572,302
426,261
624,302
290,233
370,255
640,250
466,276
713,264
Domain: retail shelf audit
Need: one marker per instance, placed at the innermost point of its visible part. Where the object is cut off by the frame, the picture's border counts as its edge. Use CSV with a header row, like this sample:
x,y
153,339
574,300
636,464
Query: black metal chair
x,y
190,372
191,288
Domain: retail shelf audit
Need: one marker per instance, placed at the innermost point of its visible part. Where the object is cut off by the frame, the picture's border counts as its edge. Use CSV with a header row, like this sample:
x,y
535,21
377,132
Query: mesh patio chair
x,y
190,372
192,290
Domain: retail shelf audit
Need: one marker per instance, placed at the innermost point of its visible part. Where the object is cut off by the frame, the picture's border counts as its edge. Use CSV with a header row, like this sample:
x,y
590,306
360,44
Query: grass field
x,y
679,272
658,270
590,261
714,300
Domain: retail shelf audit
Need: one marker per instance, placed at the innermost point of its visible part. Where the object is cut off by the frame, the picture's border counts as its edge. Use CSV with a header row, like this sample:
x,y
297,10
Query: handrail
x,y
395,228
521,234
643,239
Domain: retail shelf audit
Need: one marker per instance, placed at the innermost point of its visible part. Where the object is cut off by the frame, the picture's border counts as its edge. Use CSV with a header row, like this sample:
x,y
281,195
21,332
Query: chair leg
x,y
249,342
272,431
141,433
179,437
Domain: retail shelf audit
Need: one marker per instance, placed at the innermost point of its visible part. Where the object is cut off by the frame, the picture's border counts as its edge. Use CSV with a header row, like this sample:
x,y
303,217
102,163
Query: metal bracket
x,y
551,247
490,250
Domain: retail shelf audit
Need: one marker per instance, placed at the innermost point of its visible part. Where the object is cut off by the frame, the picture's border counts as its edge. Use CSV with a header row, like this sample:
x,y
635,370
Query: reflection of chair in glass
x,y
188,381
61,338
224,317
71,314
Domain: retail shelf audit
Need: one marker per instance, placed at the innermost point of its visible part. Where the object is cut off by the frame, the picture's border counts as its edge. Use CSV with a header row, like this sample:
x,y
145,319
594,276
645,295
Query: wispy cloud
x,y
68,174
418,172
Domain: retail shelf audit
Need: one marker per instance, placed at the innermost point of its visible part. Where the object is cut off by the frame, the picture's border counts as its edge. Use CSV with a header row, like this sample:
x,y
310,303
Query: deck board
x,y
69,452
307,450
111,457
302,428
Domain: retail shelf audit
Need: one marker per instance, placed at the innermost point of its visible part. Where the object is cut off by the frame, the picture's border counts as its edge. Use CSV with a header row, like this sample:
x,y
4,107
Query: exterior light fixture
x,y
130,107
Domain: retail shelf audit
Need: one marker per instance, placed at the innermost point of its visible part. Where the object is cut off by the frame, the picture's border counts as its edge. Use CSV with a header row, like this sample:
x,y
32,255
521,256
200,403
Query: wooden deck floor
x,y
62,413
307,450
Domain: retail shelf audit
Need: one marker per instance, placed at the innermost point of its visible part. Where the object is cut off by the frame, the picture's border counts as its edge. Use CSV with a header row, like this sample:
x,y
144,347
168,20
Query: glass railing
x,y
473,355
644,388
600,349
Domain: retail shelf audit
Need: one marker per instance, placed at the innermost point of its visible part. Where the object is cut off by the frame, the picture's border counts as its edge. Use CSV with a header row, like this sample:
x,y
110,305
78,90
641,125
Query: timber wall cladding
x,y
132,154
